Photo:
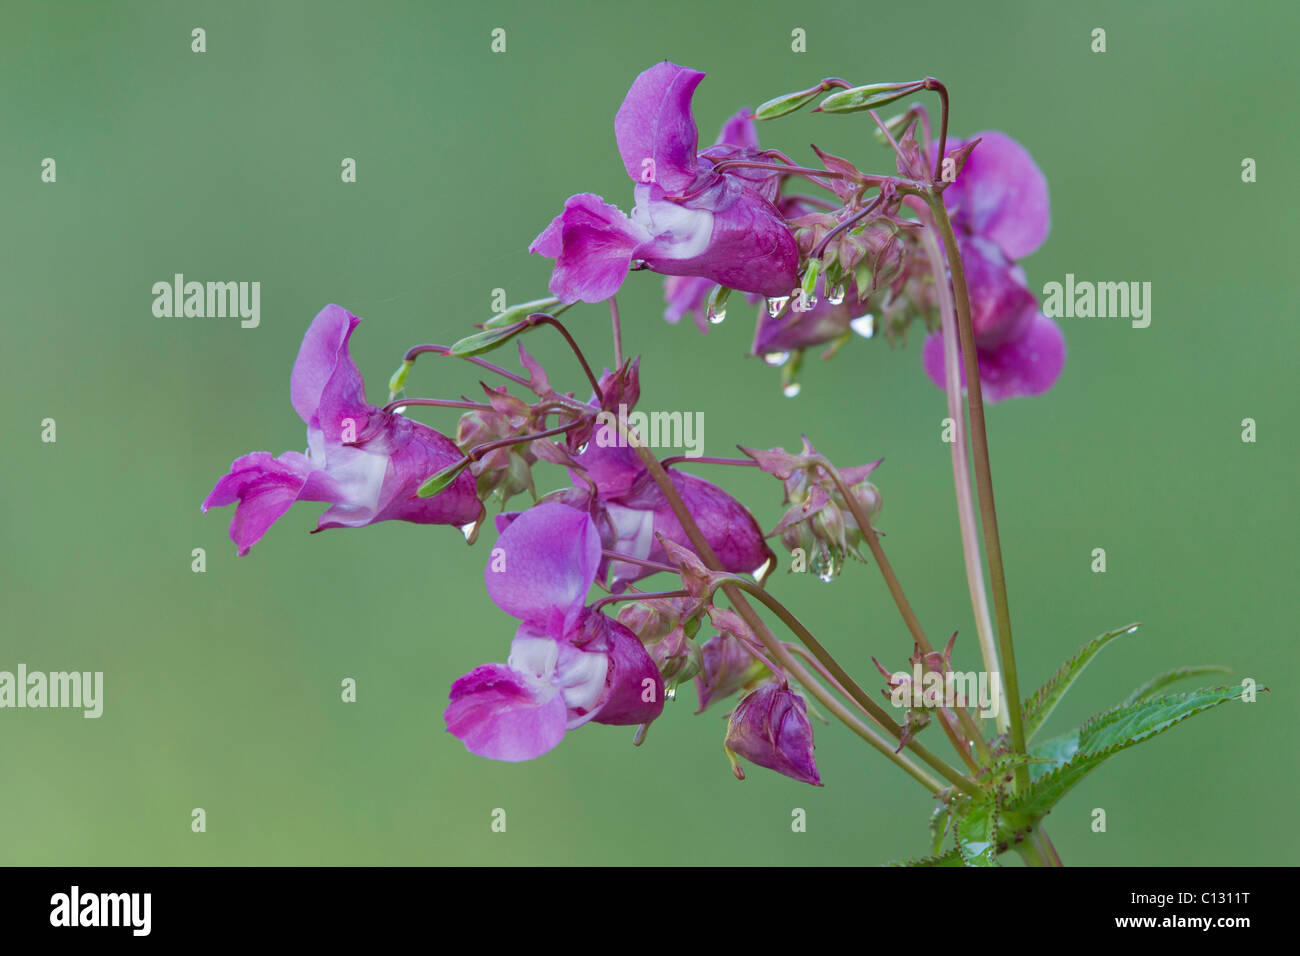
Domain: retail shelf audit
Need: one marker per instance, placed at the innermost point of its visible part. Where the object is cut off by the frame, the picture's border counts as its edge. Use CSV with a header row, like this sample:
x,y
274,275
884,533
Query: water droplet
x,y
716,316
582,448
826,576
790,389
804,303
762,571
776,304
670,693
836,295
864,325
470,531
776,359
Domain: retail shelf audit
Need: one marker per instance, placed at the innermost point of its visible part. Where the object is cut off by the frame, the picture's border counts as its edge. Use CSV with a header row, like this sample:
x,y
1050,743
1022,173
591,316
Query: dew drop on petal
x,y
761,572
776,304
864,325
836,295
582,448
776,359
670,693
470,531
716,316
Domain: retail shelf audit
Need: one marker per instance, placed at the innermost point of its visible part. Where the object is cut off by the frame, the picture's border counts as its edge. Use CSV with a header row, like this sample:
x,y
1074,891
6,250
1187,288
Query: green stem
x,y
984,483
1037,849
765,635
961,472
877,712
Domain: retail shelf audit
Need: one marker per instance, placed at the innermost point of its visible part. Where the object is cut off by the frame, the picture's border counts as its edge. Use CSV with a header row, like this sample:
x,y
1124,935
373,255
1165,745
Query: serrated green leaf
x,y
977,836
950,858
1069,758
1161,681
1043,702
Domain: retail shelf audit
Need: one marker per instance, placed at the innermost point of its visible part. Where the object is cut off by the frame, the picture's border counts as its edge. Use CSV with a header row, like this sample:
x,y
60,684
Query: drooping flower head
x,y
568,664
688,221
365,462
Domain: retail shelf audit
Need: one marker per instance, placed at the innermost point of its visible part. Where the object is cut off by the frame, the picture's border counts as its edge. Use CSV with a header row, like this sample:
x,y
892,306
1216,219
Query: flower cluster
x,y
727,218
714,221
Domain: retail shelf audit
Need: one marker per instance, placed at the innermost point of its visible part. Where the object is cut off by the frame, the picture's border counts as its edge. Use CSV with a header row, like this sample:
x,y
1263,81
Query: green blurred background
x,y
222,688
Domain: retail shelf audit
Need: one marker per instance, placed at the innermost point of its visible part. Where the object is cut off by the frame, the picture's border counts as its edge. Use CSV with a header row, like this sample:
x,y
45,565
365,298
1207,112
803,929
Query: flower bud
x,y
787,103
770,728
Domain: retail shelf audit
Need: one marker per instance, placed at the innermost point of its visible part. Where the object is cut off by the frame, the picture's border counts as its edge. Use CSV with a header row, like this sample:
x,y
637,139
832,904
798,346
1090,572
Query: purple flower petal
x,y
635,690
1000,194
396,460
324,369
726,524
727,233
503,714
542,566
740,131
725,667
265,488
1024,366
592,243
687,294
656,132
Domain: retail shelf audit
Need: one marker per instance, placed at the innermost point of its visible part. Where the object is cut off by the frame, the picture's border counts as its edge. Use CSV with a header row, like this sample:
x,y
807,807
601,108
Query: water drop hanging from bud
x,y
670,693
864,325
835,295
775,305
716,316
790,389
776,359
470,531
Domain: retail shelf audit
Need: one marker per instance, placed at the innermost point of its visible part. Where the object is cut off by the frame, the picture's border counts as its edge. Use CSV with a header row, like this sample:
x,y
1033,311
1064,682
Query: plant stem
x,y
961,470
542,318
618,331
984,483
886,569
433,402
877,712
768,639
1037,848
411,354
